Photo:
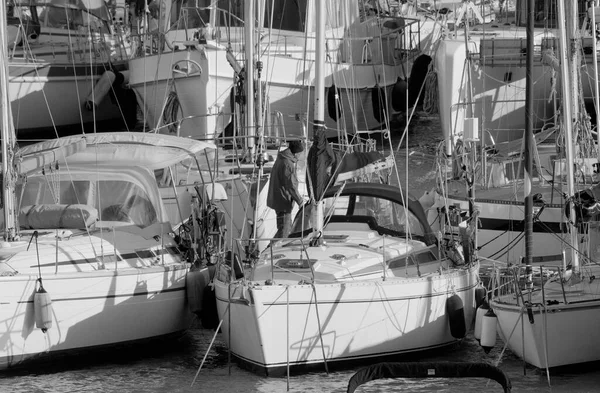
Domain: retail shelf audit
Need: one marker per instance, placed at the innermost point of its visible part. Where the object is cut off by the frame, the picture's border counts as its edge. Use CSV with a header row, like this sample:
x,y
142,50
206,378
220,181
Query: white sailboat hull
x,y
204,96
559,336
492,85
33,87
500,233
93,309
271,327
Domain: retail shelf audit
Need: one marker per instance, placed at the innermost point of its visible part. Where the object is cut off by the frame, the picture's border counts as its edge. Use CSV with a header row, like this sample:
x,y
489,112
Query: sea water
x,y
173,366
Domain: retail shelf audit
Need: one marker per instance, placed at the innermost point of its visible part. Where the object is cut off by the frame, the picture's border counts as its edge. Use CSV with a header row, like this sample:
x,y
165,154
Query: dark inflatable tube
x,y
456,316
378,100
429,370
418,73
209,315
399,95
480,295
334,107
238,269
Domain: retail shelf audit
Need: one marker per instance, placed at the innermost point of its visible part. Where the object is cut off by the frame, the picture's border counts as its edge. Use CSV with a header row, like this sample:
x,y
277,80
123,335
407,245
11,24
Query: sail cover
x,y
327,166
321,159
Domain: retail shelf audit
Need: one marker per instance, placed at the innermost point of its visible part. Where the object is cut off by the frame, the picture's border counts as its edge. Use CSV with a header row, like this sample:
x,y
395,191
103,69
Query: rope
x,y
430,101
170,113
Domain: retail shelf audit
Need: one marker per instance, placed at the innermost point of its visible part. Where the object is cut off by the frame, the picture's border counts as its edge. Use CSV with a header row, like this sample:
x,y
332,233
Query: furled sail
x,y
328,166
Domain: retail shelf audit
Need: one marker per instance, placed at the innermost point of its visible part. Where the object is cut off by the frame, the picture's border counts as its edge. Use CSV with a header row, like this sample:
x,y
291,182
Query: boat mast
x,y
7,135
249,21
568,59
528,145
594,7
320,181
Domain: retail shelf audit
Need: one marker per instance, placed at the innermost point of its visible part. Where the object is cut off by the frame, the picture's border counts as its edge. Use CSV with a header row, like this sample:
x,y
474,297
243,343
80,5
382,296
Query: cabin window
x,y
191,14
119,200
546,13
66,18
389,215
115,200
38,191
334,13
286,14
231,13
385,216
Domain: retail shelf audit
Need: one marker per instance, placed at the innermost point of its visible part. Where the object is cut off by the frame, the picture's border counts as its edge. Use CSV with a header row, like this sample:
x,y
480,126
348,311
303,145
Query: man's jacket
x,y
283,183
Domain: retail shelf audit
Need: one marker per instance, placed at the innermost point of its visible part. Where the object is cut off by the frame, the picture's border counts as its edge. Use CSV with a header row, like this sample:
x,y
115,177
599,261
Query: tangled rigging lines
x,y
430,100
169,116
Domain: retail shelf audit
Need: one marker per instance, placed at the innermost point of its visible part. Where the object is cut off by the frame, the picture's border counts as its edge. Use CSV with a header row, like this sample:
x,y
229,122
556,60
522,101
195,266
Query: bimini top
x,y
153,151
423,370
95,7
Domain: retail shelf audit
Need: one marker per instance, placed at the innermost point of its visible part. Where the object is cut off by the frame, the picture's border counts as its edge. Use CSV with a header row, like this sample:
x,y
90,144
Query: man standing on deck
x,y
283,187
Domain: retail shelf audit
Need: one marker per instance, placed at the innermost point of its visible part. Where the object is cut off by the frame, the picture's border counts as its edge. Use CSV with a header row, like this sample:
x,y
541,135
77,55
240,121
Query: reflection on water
x,y
170,366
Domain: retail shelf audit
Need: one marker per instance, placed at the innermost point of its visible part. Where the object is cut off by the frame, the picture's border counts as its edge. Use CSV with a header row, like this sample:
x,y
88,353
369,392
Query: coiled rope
x,y
169,116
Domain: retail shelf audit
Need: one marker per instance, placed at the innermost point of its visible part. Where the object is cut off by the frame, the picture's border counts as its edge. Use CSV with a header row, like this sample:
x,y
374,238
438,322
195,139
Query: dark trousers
x,y
284,224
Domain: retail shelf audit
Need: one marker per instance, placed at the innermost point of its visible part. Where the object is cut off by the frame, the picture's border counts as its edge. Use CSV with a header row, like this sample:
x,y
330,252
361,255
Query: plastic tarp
x,y
123,196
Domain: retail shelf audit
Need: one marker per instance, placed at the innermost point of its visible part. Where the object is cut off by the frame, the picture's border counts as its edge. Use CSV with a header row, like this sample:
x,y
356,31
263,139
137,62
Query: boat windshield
x,y
115,200
385,216
283,15
56,17
546,13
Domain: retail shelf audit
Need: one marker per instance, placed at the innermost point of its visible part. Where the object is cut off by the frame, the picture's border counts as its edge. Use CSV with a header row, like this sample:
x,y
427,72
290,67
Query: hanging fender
x,y
488,330
418,73
530,313
196,281
42,305
101,89
209,315
456,316
480,295
399,95
481,311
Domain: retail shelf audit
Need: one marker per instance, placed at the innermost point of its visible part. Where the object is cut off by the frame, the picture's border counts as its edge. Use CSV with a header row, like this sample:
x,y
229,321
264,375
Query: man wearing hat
x,y
283,187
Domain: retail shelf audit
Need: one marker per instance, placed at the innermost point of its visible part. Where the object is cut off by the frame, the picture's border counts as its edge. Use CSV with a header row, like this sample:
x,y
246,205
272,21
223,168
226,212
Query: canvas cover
x,y
150,150
95,7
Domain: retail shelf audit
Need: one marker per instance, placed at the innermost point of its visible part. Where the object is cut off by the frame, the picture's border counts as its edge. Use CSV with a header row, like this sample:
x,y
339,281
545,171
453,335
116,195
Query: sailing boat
x,y
184,85
492,74
547,322
362,277
68,58
88,258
